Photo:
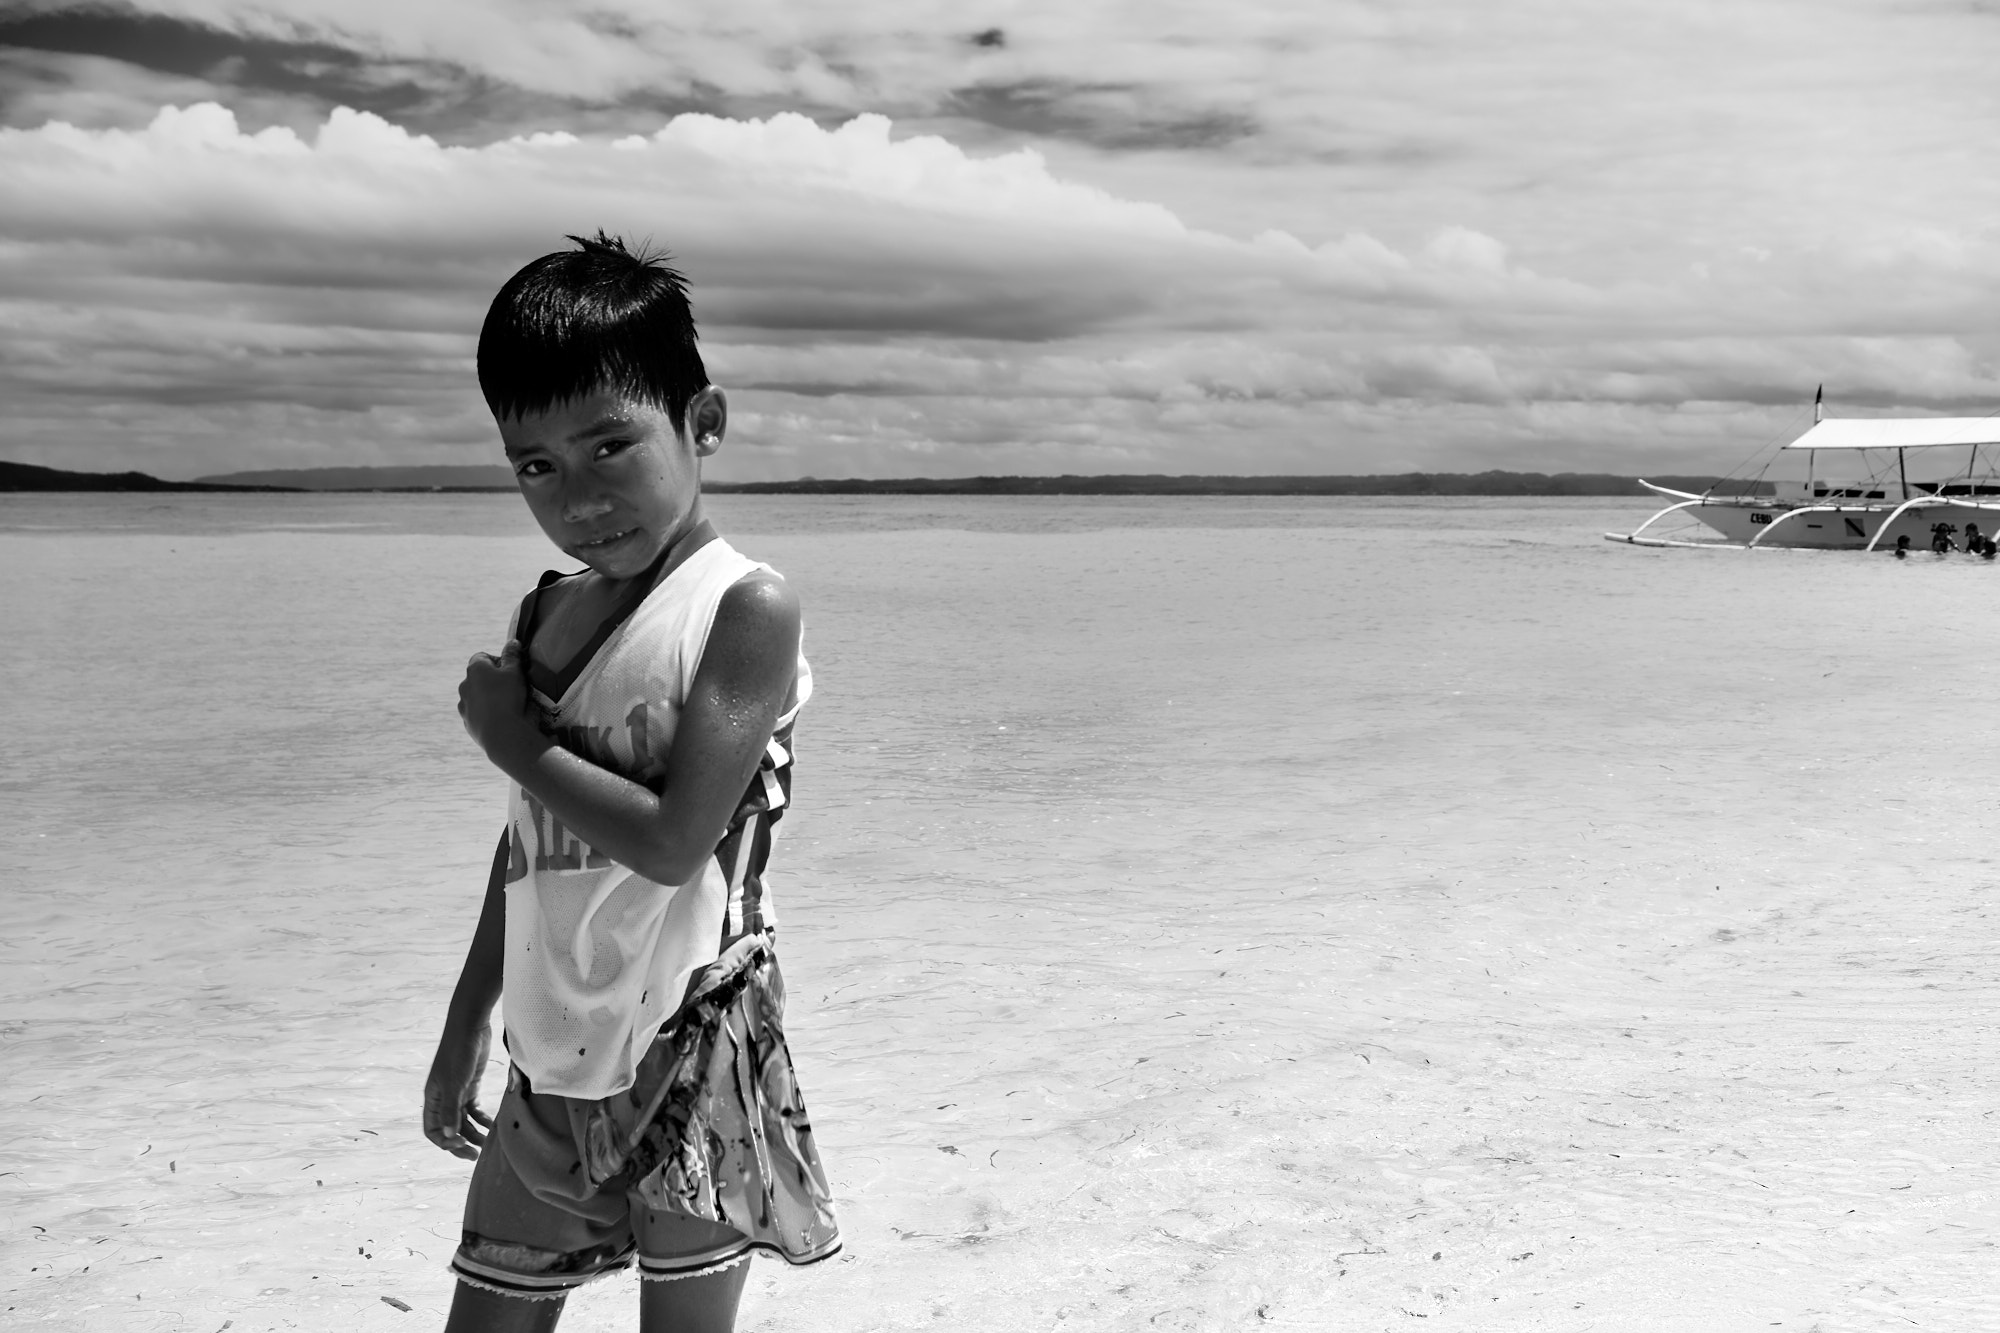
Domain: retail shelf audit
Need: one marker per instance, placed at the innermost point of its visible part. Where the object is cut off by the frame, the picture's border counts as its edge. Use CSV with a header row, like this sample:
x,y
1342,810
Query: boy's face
x,y
609,478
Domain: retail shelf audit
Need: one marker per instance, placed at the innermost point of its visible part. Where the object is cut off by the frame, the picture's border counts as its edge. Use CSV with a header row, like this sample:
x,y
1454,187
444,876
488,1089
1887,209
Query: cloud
x,y
1361,239
784,224
192,268
102,93
1177,80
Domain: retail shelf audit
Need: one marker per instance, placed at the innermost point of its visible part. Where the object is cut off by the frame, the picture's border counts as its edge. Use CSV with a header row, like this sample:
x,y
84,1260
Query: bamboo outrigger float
x,y
1852,516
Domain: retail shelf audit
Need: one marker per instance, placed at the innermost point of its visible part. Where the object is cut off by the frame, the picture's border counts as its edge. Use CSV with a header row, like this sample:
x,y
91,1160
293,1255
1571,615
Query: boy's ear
x,y
708,419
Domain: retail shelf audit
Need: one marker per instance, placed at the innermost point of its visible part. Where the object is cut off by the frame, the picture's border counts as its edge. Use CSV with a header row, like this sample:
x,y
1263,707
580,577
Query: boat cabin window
x,y
1848,493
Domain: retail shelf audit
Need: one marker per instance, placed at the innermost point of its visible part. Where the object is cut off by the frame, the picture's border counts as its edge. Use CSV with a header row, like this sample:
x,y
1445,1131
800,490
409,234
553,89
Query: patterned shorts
x,y
708,1156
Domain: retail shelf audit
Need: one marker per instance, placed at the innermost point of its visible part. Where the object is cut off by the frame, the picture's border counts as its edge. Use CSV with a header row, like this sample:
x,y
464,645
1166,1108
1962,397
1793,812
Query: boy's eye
x,y
534,467
610,447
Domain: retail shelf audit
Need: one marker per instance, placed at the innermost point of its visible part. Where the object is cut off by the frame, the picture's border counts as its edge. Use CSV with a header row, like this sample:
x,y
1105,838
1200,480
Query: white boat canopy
x,y
1899,433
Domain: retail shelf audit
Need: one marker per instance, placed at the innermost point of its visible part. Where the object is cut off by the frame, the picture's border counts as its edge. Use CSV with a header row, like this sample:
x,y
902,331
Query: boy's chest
x,y
568,616
614,700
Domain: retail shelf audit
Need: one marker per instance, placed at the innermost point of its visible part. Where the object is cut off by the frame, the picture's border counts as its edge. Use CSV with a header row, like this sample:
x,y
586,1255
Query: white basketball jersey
x,y
598,956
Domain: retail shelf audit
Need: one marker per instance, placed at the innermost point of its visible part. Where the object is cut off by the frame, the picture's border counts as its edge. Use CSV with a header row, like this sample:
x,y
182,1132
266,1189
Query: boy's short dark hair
x,y
598,315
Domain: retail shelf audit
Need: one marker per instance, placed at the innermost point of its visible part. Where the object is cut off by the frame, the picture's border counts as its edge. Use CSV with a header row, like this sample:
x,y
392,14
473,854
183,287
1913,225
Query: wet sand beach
x,y
1197,914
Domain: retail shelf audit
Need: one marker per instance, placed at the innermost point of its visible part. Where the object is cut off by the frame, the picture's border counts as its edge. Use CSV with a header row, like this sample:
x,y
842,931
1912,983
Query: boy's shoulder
x,y
752,594
757,624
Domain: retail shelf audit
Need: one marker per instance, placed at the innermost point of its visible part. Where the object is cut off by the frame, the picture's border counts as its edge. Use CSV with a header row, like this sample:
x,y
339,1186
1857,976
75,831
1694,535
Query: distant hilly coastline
x,y
28,477
493,478
1404,483
487,477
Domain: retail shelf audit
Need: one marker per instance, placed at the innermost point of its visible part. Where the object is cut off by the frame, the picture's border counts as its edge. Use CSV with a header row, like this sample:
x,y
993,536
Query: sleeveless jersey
x,y
598,956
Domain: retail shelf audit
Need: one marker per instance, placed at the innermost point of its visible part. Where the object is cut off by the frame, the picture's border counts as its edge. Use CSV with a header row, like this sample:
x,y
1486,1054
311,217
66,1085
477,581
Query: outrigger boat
x,y
1868,515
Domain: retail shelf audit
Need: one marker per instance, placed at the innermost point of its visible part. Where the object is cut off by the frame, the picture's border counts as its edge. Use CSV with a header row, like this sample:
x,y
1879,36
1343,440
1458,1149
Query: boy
x,y
643,710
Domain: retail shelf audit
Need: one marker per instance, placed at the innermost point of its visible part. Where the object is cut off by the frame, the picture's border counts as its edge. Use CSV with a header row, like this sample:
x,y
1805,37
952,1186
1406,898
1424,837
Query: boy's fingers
x,y
479,1116
452,1142
457,1147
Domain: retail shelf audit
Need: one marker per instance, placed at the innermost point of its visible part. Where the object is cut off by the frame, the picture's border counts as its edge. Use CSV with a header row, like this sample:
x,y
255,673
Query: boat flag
x,y
1818,396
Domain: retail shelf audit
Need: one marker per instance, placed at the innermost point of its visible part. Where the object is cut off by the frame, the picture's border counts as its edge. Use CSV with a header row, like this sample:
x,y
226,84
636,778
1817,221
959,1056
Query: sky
x,y
984,238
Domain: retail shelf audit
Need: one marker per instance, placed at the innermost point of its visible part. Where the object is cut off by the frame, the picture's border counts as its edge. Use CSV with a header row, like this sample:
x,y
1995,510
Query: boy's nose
x,y
583,508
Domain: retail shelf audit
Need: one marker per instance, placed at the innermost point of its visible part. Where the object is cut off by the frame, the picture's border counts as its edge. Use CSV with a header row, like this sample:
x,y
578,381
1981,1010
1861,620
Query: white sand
x,y
1278,926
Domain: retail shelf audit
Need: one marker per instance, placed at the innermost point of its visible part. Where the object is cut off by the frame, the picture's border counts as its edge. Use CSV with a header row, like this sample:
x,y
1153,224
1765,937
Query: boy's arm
x,y
746,671
452,1118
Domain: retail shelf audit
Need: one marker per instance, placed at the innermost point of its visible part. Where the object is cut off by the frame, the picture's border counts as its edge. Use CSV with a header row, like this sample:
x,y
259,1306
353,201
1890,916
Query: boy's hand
x,y
452,1118
493,699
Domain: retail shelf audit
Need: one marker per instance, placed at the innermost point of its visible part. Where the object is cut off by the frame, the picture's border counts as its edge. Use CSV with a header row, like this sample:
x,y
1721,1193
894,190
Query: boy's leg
x,y
691,1271
705,1304
475,1310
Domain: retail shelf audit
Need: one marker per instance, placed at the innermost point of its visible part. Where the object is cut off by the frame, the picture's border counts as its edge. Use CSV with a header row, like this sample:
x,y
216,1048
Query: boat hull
x,y
1847,528
1778,523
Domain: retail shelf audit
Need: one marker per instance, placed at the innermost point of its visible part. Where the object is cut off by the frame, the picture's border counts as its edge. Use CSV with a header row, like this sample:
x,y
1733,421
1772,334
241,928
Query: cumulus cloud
x,y
1359,239
193,268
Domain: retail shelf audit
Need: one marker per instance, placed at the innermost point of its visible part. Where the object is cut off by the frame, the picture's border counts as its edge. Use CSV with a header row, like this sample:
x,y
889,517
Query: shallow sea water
x,y
1198,914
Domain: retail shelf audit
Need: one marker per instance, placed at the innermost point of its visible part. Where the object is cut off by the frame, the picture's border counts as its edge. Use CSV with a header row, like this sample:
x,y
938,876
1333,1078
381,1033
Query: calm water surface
x,y
1194,907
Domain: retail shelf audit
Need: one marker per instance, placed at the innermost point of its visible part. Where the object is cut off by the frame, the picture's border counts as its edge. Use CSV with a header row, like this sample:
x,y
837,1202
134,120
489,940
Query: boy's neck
x,y
585,617
692,538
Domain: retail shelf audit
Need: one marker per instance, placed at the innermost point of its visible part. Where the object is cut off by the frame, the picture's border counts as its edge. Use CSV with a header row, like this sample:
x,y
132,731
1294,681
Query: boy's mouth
x,y
598,545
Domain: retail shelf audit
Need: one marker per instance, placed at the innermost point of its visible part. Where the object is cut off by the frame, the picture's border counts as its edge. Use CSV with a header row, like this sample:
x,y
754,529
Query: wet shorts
x,y
708,1156
533,1227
